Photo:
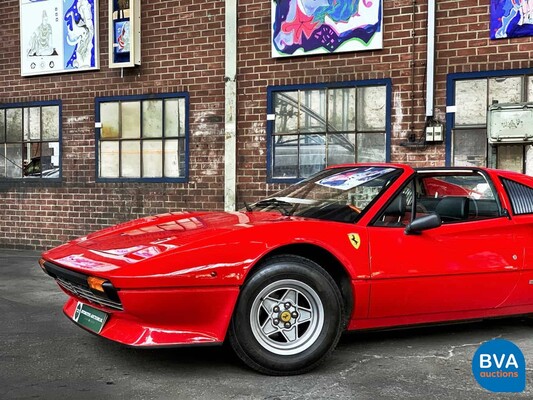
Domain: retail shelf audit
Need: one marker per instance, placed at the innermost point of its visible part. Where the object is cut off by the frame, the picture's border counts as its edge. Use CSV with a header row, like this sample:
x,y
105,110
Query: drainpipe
x,y
230,114
430,64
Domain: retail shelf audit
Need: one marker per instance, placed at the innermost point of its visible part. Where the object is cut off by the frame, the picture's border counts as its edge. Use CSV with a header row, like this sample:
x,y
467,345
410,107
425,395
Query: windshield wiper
x,y
283,206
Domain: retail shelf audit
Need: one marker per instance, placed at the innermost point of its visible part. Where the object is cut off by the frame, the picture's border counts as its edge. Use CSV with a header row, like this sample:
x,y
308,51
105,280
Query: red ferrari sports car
x,y
354,247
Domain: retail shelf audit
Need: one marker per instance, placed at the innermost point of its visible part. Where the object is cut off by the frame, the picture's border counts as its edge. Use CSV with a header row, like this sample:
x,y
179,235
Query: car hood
x,y
153,236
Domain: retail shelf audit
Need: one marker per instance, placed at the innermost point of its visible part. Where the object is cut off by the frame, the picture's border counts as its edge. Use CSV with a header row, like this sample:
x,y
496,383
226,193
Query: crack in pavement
x,y
451,353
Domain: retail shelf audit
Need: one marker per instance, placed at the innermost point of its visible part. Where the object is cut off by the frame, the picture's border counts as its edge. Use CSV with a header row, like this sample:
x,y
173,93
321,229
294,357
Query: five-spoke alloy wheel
x,y
288,317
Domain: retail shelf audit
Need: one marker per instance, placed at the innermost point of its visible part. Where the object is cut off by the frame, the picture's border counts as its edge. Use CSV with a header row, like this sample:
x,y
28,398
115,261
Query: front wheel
x,y
288,317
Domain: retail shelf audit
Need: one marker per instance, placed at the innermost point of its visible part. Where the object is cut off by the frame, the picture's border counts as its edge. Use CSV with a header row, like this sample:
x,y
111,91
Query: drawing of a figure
x,y
81,33
41,43
123,39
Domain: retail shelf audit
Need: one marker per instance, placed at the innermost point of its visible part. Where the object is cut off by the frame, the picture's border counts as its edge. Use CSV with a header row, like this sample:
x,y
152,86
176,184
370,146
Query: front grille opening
x,y
76,284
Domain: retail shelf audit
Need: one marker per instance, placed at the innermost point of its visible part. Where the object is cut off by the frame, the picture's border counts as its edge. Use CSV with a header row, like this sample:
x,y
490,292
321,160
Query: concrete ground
x,y
45,356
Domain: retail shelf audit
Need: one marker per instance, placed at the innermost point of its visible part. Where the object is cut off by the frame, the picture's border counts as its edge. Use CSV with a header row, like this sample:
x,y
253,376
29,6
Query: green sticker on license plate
x,y
89,317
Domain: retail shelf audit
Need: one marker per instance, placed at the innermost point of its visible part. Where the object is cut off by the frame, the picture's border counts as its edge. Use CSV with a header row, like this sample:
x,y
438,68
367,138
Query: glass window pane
x,y
286,110
172,159
2,161
109,159
471,102
152,159
341,148
2,126
110,117
26,124
505,90
14,124
34,123
371,147
131,119
511,157
341,110
14,160
530,88
312,111
152,118
50,122
469,147
131,159
371,108
285,156
182,156
32,159
529,160
172,118
51,158
312,154
183,116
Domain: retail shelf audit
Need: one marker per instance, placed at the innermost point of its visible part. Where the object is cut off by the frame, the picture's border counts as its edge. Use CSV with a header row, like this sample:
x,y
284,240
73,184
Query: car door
x,y
468,264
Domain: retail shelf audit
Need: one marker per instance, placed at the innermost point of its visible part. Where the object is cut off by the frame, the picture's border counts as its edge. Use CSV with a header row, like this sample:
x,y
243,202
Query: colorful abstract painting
x,y
302,27
511,18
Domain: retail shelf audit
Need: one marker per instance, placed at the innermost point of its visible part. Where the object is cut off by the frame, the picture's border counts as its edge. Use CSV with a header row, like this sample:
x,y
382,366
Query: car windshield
x,y
339,194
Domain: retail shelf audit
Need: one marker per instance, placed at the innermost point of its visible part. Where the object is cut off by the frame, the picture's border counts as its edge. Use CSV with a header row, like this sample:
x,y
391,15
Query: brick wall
x,y
175,57
183,50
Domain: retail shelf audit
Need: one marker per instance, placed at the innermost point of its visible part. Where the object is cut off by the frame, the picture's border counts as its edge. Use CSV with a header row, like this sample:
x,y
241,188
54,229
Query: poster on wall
x,y
124,33
58,36
511,18
303,27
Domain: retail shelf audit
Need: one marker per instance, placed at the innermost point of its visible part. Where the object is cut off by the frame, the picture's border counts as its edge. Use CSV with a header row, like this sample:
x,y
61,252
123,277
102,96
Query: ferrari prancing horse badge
x,y
355,240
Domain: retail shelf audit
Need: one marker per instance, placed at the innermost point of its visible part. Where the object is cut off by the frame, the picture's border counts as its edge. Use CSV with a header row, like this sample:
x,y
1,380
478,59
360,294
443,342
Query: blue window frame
x,y
30,141
312,126
142,138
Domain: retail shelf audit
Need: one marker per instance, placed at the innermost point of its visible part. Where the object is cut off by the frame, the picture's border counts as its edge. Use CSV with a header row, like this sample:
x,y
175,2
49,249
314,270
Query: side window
x,y
521,197
458,197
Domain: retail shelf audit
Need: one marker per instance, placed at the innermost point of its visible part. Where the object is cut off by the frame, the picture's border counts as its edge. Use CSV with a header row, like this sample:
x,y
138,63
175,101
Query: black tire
x,y
304,321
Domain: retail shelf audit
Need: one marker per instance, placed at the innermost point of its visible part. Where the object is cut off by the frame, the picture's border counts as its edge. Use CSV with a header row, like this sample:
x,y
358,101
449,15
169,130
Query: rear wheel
x,y
288,317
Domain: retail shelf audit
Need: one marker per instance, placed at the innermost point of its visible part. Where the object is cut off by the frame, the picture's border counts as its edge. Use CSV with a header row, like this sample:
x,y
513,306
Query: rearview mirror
x,y
423,223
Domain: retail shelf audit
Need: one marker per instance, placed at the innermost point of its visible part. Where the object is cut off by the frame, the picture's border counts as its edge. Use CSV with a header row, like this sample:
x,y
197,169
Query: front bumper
x,y
166,317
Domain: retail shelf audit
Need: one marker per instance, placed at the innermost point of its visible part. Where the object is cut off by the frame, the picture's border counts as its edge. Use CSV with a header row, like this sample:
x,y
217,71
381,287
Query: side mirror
x,y
423,223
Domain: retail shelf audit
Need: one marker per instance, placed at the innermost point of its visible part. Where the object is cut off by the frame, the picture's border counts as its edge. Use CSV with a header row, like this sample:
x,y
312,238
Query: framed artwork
x,y
124,33
511,18
303,27
58,36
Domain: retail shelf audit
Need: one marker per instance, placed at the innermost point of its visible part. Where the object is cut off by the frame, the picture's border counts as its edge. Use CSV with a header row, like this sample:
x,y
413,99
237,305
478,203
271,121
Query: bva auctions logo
x,y
499,366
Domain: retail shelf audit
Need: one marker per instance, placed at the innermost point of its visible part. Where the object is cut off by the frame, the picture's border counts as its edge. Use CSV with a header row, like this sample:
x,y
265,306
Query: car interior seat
x,y
453,208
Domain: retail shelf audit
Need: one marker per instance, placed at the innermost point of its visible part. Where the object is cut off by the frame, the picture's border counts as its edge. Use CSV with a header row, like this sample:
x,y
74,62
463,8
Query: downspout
x,y
430,64
230,106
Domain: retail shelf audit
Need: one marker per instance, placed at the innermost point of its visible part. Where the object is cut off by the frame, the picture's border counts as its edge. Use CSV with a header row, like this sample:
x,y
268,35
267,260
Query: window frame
x,y
140,99
270,123
451,80
31,104
414,182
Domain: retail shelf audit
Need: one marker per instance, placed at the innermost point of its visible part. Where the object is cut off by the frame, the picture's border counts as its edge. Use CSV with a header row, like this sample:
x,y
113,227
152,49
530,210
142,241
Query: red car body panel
x,y
178,275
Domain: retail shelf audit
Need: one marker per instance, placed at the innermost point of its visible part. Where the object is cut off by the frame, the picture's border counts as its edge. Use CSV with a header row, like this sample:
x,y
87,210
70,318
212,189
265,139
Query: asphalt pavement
x,y
43,355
